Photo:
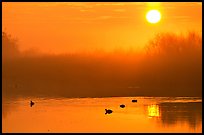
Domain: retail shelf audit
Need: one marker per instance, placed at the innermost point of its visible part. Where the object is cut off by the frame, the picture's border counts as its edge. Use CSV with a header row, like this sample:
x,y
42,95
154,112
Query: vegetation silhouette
x,y
171,66
10,48
175,62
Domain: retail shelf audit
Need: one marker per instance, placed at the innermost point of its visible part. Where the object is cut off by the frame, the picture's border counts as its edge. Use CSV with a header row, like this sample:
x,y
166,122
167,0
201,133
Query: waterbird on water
x,y
108,111
31,103
122,106
134,100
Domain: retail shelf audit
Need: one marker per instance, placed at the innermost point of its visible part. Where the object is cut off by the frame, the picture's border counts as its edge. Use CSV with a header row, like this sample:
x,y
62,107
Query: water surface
x,y
149,114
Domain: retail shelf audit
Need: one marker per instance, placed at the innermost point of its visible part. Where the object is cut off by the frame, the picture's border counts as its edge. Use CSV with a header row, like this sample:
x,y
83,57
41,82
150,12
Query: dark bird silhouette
x,y
31,103
108,111
122,106
134,100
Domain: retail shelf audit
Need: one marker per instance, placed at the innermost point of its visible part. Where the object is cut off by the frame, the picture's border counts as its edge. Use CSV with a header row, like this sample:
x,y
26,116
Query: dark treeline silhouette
x,y
174,64
10,49
171,66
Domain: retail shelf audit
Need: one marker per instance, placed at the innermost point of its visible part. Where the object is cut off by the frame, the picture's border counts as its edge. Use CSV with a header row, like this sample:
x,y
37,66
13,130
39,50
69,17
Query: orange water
x,y
149,114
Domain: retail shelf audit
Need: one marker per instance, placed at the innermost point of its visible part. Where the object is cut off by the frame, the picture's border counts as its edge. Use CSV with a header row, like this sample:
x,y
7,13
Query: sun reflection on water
x,y
153,111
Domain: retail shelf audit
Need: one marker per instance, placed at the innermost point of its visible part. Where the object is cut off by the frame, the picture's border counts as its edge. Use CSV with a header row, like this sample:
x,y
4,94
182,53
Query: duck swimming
x,y
108,111
134,100
122,106
31,103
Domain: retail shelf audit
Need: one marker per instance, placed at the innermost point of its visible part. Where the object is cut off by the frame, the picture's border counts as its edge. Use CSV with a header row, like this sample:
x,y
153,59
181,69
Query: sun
x,y
153,16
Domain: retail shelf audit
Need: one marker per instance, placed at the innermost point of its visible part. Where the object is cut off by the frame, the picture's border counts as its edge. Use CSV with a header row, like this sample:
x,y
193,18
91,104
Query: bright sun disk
x,y
153,16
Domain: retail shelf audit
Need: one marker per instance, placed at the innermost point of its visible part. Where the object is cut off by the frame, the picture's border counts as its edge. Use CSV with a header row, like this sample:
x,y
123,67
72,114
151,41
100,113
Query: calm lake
x,y
148,114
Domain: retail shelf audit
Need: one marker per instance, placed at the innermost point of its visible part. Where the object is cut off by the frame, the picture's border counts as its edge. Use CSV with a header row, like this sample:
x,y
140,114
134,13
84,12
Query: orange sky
x,y
66,27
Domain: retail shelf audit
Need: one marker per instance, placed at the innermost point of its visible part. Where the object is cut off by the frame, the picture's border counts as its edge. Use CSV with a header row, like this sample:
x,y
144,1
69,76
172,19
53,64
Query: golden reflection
x,y
70,115
153,111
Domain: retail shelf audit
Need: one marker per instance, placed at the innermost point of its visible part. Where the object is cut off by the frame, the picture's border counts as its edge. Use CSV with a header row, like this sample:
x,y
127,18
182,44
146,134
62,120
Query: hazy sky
x,y
65,27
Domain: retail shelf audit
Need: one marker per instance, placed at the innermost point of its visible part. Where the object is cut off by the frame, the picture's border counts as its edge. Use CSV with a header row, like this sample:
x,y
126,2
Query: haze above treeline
x,y
169,65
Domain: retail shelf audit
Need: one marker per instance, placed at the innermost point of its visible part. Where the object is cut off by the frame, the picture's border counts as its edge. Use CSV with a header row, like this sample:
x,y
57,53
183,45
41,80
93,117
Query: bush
x,y
9,47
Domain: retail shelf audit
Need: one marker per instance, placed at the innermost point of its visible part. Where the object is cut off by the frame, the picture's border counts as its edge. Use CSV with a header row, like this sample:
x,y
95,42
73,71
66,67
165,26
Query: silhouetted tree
x,y
175,45
175,62
9,47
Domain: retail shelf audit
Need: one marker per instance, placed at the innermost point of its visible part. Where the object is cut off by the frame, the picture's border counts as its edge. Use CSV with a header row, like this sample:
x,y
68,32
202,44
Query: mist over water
x,y
170,66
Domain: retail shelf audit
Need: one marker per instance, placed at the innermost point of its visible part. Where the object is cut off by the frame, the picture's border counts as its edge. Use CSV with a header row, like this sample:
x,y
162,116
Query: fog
x,y
171,65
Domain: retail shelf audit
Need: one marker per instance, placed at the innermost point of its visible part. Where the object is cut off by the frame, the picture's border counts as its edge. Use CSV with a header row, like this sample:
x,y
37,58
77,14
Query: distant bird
x,y
108,111
134,100
31,103
122,106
